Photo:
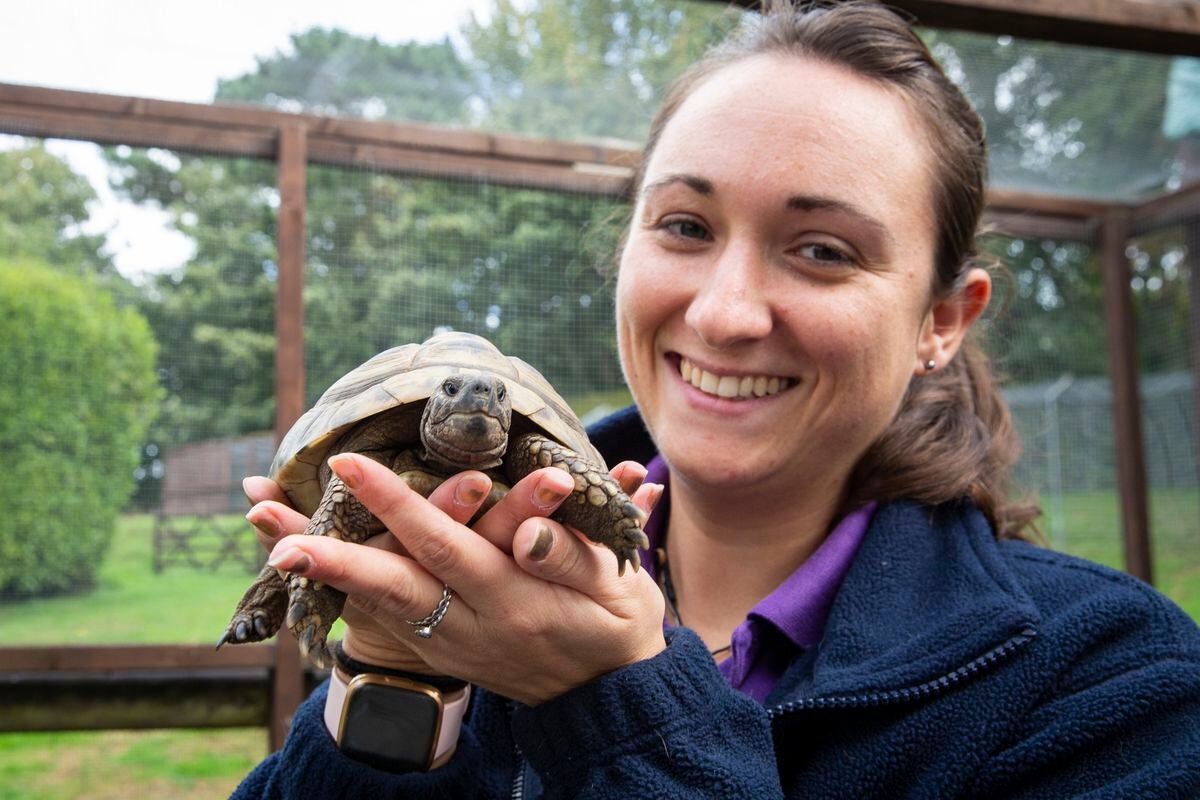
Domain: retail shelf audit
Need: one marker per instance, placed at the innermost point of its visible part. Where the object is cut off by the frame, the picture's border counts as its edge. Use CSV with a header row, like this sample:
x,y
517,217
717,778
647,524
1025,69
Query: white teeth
x,y
731,386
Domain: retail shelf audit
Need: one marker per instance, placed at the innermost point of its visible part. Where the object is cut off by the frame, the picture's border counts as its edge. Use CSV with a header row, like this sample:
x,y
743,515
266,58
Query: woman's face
x,y
781,250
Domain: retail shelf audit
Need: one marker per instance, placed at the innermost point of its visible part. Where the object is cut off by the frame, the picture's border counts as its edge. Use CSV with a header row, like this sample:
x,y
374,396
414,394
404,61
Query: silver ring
x,y
425,626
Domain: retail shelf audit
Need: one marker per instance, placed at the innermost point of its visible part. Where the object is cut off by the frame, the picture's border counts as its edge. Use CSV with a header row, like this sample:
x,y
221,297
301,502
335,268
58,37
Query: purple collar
x,y
790,619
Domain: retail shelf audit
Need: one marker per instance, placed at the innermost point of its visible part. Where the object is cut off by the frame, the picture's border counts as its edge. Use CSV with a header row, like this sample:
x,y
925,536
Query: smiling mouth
x,y
732,387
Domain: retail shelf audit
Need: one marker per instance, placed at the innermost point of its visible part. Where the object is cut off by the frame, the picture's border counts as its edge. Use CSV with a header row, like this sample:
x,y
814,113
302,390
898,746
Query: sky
x,y
172,50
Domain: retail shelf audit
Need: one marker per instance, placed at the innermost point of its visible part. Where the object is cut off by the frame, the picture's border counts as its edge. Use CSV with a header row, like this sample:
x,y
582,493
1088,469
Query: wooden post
x,y
287,689
1127,413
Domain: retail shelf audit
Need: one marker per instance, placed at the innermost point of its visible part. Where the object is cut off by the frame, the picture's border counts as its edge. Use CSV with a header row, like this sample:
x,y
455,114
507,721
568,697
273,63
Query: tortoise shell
x,y
408,374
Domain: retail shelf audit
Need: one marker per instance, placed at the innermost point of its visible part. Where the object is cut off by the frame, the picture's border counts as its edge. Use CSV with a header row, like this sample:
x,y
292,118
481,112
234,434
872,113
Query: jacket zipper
x,y
518,786
921,691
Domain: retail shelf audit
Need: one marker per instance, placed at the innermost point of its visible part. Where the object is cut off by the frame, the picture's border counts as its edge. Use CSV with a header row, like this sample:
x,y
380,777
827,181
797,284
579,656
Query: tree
x,y
335,72
586,68
43,206
79,391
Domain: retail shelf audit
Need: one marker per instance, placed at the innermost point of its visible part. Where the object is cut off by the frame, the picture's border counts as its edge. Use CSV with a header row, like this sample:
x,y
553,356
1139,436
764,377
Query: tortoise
x,y
427,410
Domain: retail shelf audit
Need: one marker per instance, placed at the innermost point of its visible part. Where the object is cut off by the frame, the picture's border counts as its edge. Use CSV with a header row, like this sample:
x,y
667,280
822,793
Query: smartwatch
x,y
392,720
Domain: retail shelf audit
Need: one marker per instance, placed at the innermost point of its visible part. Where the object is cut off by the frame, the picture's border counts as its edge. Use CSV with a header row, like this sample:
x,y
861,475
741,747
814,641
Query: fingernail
x,y
545,496
344,467
468,493
265,523
656,494
246,491
291,560
541,545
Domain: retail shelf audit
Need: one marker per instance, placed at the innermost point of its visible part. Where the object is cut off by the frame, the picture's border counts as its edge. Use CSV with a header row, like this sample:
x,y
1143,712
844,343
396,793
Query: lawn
x,y
132,604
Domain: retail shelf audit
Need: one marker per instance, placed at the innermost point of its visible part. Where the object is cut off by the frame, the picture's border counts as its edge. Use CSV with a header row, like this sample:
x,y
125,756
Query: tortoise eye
x,y
450,388
500,392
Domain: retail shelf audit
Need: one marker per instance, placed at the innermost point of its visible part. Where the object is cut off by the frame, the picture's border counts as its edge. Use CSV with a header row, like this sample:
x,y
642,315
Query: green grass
x,y
131,604
1092,525
120,765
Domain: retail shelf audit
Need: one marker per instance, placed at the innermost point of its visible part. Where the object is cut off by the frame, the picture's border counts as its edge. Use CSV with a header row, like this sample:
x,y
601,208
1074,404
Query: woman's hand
x,y
537,609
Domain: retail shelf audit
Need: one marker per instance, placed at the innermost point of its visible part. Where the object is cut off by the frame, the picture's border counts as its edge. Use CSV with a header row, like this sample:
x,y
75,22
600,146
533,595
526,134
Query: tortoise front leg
x,y
260,611
597,507
313,606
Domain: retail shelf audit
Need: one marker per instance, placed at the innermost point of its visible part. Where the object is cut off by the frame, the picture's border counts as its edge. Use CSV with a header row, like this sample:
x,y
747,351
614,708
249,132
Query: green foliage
x,y
78,390
334,72
42,204
579,68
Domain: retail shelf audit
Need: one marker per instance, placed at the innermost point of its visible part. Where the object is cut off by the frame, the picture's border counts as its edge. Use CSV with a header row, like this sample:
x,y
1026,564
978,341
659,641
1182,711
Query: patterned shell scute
x,y
409,374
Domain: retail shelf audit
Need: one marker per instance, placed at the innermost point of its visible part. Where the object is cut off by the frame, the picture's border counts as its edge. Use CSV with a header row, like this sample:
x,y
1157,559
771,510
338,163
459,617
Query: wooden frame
x,y
1151,26
269,679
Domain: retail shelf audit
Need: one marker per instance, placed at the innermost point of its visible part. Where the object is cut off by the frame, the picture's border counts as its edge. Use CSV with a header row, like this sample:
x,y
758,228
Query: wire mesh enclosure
x,y
265,245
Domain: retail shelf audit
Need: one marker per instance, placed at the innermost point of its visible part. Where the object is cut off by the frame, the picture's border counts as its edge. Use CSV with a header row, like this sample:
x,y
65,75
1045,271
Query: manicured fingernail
x,y
656,494
541,545
545,496
344,467
469,492
264,522
291,560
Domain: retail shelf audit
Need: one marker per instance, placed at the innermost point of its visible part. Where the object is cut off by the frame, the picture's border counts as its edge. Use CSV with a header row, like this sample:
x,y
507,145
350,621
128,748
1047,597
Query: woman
x,y
849,609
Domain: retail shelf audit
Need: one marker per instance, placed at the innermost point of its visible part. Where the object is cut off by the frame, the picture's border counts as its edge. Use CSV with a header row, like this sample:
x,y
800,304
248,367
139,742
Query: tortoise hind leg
x,y
597,507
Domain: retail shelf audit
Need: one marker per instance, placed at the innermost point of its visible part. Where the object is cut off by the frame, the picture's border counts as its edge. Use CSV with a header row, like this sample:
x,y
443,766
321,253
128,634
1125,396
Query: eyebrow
x,y
804,202
694,182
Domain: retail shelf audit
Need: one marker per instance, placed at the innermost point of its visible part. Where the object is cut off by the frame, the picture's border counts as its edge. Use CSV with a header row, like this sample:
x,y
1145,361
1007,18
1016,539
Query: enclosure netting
x,y
392,258
171,564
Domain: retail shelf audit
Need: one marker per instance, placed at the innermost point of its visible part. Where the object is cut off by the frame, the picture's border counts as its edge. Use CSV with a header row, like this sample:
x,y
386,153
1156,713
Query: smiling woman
x,y
837,601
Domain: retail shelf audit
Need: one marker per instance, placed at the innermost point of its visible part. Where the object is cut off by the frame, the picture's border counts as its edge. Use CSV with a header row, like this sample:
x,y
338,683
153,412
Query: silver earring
x,y
930,365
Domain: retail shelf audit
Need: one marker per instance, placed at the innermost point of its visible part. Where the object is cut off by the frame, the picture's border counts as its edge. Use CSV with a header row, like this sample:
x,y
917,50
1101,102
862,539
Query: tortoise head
x,y
465,423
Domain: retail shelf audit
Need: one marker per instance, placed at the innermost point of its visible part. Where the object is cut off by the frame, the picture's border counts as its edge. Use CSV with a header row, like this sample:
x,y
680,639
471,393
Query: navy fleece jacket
x,y
952,665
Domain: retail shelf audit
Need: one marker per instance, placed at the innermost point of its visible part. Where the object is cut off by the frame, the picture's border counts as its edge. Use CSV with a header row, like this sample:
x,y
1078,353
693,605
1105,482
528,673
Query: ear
x,y
948,320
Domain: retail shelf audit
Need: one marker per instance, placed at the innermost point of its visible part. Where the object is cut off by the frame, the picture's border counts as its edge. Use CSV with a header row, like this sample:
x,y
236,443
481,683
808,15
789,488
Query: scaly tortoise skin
x,y
398,408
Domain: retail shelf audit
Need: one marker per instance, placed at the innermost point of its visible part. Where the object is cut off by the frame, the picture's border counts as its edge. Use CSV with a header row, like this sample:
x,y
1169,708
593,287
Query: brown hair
x,y
953,435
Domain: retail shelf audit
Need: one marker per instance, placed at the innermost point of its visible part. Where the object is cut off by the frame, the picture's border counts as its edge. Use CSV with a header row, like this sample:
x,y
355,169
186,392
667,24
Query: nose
x,y
481,387
731,304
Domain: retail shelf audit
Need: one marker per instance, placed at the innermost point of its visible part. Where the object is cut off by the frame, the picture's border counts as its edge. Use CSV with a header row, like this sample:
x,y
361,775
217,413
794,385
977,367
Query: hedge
x,y
77,392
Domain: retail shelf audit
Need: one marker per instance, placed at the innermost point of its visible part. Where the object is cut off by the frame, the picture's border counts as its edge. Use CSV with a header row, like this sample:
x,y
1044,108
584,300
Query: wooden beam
x,y
1150,26
38,701
292,161
1120,329
1171,208
1038,226
134,657
1007,200
256,122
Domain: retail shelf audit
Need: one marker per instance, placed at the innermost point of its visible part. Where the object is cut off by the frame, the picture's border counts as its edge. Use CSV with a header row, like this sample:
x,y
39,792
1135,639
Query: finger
x,y
552,552
453,553
273,520
257,489
385,586
629,475
538,494
461,495
647,496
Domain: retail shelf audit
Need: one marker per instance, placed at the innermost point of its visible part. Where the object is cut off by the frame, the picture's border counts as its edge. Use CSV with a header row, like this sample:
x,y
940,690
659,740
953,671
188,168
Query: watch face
x,y
390,723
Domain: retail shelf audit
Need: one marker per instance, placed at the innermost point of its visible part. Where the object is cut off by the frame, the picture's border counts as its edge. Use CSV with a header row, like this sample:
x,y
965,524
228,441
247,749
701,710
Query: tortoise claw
x,y
296,612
